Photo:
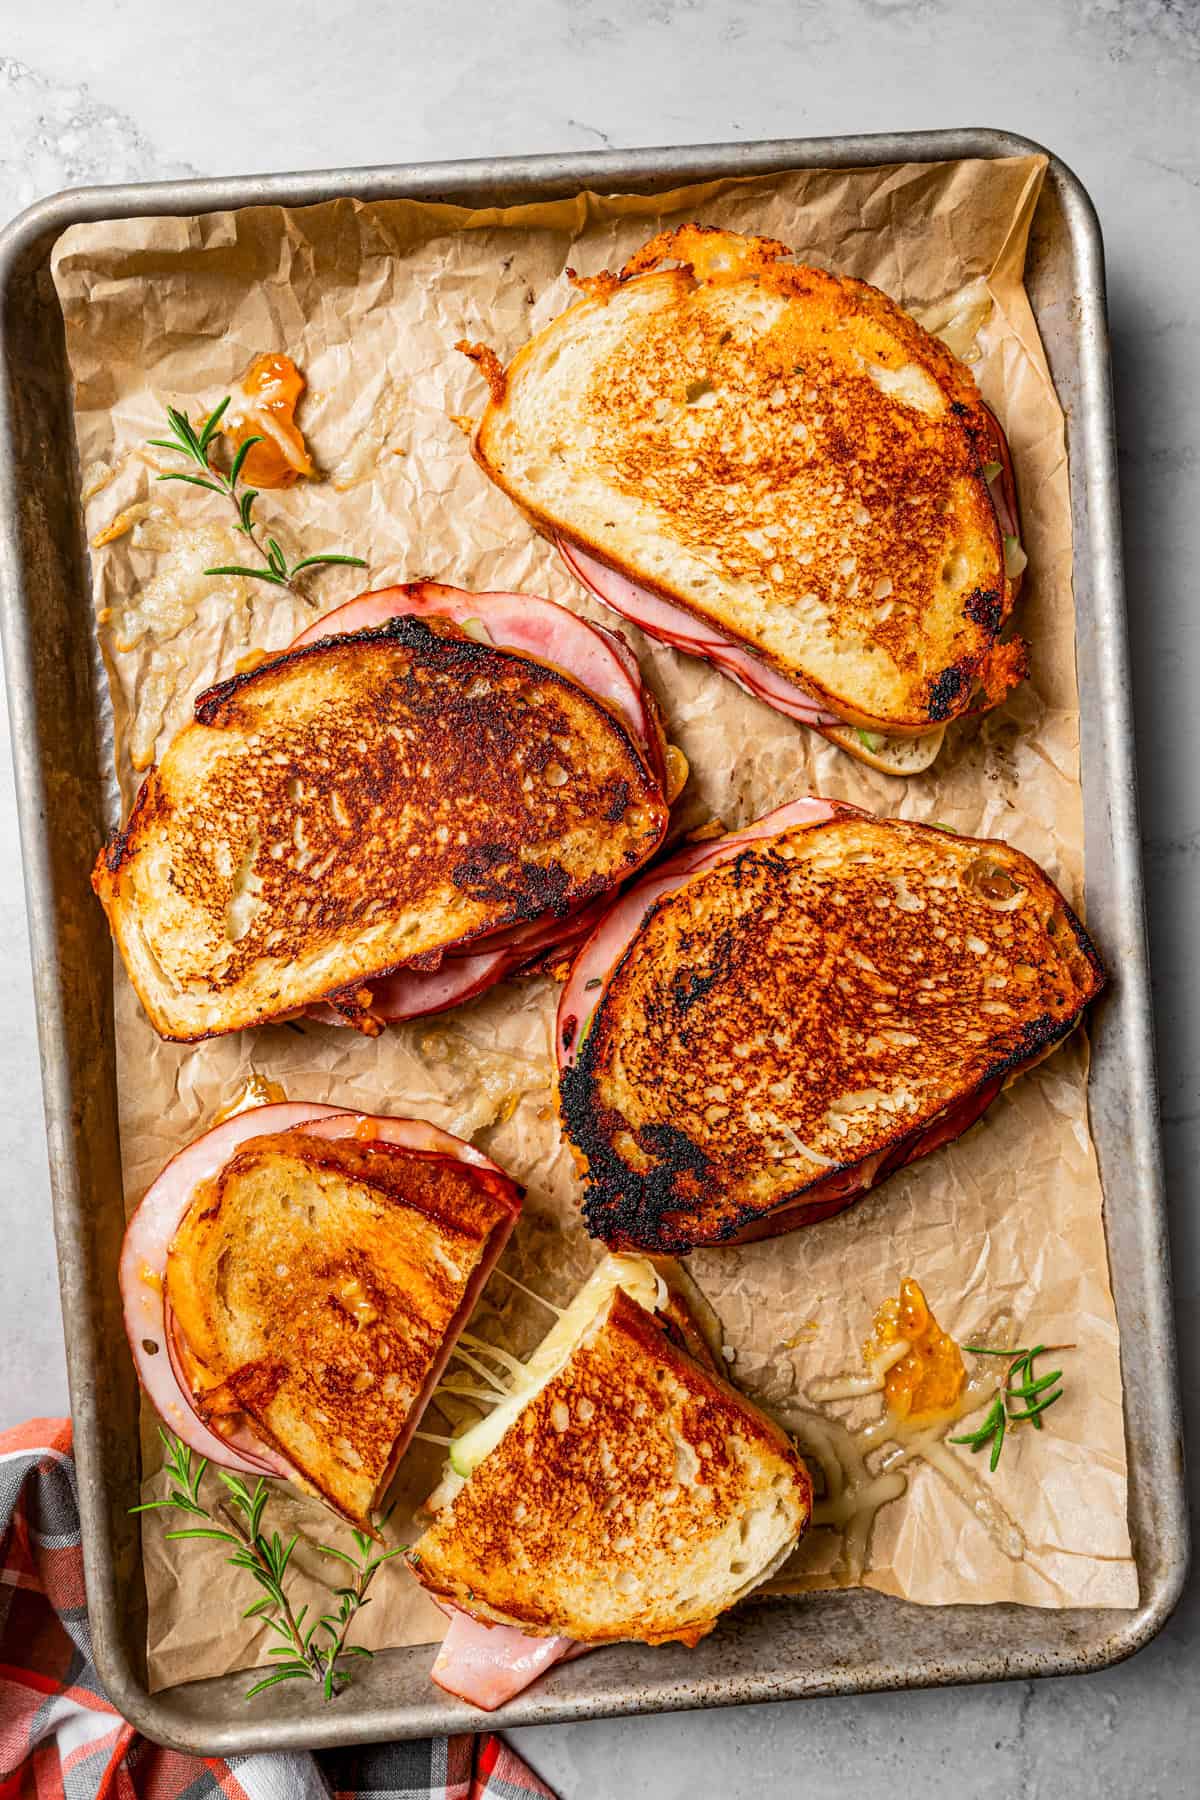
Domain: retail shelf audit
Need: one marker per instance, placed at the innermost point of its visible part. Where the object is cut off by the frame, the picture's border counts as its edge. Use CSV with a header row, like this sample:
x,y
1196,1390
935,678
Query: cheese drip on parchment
x,y
925,1391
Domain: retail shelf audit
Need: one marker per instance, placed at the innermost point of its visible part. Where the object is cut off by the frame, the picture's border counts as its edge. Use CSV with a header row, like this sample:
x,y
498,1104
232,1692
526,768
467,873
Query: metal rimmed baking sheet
x,y
765,1651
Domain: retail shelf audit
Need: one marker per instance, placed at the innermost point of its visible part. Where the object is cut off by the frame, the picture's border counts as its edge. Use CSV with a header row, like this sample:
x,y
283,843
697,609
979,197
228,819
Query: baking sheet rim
x,y
1156,1504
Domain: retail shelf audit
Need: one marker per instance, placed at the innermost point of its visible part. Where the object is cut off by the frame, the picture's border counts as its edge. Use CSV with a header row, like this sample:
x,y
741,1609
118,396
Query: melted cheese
x,y
639,1279
256,1090
918,1370
365,453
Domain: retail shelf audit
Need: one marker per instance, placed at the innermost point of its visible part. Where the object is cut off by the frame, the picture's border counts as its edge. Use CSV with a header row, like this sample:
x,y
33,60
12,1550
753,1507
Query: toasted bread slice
x,y
782,452
790,1025
313,1284
635,1495
357,805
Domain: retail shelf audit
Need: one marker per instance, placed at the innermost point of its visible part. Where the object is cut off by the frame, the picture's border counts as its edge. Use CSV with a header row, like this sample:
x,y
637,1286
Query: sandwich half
x,y
295,1282
424,794
623,1491
771,1023
778,470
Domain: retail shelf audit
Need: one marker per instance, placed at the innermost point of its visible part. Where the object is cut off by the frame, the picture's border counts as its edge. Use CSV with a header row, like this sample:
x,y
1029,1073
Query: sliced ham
x,y
143,1267
417,1135
489,1664
608,943
592,657
527,941
420,993
671,624
158,1354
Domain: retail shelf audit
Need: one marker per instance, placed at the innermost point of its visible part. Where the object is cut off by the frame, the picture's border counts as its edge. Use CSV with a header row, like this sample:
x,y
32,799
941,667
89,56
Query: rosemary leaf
x,y
249,574
192,481
211,423
1031,1389
296,1673
342,1556
204,1531
1039,1407
314,562
235,468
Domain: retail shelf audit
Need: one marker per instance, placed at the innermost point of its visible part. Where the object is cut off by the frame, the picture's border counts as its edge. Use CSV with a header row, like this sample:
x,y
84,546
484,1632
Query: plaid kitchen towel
x,y
60,1739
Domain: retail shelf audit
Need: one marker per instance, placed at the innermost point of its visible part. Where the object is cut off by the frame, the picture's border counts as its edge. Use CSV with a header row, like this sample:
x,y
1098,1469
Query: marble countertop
x,y
135,92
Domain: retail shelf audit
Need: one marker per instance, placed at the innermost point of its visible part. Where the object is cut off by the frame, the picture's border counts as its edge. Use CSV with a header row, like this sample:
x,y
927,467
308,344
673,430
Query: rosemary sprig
x,y
185,440
352,1600
1003,1413
308,1651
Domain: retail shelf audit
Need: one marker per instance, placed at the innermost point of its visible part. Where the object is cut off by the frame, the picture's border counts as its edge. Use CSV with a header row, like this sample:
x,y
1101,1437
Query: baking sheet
x,y
370,300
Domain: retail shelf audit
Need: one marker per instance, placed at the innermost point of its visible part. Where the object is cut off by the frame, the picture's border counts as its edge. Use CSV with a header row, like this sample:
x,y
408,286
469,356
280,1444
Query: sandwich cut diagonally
x,y
624,1491
295,1281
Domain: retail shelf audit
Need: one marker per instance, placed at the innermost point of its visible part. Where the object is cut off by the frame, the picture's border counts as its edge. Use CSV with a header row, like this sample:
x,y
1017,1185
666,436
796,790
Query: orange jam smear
x,y
931,1376
263,405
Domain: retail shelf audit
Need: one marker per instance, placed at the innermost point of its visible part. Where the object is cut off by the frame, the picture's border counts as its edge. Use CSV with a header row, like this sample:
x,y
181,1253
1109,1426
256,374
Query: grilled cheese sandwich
x,y
789,464
770,1024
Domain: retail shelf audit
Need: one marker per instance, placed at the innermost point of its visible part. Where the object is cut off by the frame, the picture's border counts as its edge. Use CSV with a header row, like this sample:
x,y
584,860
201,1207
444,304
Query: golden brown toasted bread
x,y
789,1026
357,805
314,1284
782,452
636,1495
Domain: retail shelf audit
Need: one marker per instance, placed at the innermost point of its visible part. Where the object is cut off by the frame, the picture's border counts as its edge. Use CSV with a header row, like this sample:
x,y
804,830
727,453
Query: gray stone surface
x,y
132,90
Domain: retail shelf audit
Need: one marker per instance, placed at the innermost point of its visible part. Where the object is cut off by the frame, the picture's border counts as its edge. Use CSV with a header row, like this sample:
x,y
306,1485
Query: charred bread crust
x,y
681,1199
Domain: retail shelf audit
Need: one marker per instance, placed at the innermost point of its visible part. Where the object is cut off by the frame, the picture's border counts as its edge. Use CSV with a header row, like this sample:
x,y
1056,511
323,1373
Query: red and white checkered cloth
x,y
61,1740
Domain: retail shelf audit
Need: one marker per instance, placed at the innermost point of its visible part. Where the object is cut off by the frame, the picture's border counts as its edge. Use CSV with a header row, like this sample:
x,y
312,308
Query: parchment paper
x,y
370,300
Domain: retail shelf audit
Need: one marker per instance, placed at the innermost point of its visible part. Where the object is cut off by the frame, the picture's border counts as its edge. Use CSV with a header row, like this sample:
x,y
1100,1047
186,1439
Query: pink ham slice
x,y
608,943
528,941
490,1664
420,993
417,1135
671,624
149,1323
143,1267
539,628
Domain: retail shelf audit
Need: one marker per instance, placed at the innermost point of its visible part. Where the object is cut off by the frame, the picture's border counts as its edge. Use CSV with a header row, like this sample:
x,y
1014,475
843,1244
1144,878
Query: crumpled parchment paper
x,y
369,300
